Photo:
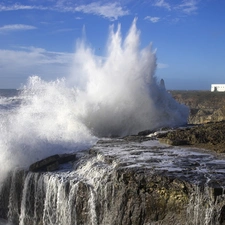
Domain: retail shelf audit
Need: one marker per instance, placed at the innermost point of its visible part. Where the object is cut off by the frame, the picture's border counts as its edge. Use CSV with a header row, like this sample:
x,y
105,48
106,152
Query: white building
x,y
218,87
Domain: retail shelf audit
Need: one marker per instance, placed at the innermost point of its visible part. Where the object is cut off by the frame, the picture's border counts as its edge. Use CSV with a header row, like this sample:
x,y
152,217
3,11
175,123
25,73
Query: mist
x,y
115,95
120,94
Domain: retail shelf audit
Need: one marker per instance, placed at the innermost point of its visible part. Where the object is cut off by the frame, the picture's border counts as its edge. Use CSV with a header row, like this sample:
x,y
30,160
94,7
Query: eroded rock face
x,y
205,106
137,197
134,180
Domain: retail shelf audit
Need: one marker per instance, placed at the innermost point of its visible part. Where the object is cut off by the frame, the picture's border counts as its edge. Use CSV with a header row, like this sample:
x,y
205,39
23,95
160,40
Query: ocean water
x,y
115,95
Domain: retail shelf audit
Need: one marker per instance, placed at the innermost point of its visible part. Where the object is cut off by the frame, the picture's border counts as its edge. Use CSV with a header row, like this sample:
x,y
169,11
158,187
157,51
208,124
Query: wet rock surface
x,y
134,180
209,136
154,183
51,163
181,162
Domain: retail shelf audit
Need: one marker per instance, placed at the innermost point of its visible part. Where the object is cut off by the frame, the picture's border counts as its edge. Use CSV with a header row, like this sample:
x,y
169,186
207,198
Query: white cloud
x,y
185,6
16,27
152,19
163,4
19,7
109,10
43,56
188,6
28,61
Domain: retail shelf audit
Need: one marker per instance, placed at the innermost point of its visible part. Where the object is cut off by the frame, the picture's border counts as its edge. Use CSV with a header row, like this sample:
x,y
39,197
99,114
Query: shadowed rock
x,y
51,163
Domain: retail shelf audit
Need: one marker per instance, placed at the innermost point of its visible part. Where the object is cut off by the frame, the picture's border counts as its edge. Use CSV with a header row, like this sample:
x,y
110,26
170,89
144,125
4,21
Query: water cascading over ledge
x,y
120,182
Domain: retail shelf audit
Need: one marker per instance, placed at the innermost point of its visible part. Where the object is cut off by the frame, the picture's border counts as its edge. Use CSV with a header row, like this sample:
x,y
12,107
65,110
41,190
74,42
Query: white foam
x,y
117,95
120,94
44,124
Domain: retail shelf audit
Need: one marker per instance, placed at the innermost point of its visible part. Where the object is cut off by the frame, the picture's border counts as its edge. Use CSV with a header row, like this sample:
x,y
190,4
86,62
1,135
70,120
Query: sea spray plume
x,y
120,95
44,124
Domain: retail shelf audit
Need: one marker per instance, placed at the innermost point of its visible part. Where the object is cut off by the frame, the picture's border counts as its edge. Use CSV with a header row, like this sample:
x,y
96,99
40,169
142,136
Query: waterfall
x,y
206,206
54,198
100,188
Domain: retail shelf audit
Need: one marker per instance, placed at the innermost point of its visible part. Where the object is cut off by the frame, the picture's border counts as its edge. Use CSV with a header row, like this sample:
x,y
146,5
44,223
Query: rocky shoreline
x,y
133,180
209,136
205,106
206,122
166,177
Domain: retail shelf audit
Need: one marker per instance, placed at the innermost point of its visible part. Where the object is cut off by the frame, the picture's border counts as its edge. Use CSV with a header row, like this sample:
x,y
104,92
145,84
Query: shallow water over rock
x,y
190,164
121,181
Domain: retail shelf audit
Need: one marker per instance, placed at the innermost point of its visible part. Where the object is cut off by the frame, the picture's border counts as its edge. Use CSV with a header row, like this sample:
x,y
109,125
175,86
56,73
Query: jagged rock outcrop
x,y
209,136
205,106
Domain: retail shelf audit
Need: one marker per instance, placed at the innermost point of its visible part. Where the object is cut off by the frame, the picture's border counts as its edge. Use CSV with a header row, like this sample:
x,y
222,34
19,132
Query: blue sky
x,y
38,37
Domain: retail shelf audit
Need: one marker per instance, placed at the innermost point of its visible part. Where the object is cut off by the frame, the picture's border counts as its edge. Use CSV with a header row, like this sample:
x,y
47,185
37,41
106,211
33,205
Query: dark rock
x,y
51,163
209,136
146,132
64,158
52,167
137,138
43,164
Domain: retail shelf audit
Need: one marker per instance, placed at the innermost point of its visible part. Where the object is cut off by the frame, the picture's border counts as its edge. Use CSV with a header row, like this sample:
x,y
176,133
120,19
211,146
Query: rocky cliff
x,y
130,181
135,180
205,106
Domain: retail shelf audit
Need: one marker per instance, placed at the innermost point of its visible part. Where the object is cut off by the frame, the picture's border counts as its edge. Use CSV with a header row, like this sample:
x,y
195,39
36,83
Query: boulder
x,y
51,163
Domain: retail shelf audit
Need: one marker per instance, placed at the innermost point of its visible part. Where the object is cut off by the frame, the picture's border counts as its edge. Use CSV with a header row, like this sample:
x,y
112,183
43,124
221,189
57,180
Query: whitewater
x,y
114,95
